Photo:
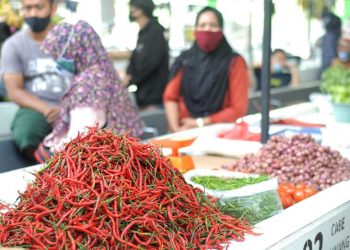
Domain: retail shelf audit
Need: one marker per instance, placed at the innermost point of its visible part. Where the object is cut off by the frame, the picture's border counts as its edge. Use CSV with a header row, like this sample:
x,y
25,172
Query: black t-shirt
x,y
280,79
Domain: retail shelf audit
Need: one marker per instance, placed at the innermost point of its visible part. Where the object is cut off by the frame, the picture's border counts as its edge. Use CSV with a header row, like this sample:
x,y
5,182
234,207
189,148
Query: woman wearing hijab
x,y
209,82
96,94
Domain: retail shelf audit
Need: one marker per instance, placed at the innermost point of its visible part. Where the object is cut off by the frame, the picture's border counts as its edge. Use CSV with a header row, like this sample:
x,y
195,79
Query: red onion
x,y
296,159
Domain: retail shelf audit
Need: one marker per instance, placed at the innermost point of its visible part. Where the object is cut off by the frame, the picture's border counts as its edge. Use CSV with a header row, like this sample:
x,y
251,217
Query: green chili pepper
x,y
227,183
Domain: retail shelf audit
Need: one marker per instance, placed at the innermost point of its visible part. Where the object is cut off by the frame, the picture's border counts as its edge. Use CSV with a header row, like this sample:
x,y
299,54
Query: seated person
x,y
209,82
282,72
96,95
30,78
343,53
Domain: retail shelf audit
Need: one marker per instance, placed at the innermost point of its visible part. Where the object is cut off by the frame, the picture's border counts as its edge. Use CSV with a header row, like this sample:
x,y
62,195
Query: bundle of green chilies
x,y
109,191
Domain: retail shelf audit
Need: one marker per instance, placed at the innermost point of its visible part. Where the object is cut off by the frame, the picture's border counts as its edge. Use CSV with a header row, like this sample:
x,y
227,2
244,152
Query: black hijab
x,y
205,77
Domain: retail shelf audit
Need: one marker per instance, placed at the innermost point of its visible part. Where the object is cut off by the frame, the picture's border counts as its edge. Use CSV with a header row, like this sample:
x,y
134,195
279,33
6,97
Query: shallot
x,y
296,159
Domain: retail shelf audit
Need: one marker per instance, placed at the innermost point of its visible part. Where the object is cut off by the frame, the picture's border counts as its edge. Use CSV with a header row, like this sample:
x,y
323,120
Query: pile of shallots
x,y
296,159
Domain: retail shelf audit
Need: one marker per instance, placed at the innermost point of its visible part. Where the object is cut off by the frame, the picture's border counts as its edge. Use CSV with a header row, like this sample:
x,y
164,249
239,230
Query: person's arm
x,y
14,84
172,114
237,102
143,64
171,97
130,70
295,79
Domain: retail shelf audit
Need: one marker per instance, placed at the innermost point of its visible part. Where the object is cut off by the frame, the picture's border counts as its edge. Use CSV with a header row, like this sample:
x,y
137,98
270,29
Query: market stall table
x,y
319,222
211,161
321,219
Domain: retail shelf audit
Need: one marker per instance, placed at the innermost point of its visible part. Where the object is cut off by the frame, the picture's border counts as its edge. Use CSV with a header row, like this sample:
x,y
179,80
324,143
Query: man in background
x,y
30,77
329,41
148,67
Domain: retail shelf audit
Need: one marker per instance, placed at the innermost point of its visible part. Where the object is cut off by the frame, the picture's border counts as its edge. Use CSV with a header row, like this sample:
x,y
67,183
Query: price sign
x,y
331,232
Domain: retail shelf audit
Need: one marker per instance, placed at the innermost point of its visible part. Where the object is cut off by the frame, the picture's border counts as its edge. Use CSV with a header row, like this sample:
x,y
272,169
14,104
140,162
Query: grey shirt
x,y
21,54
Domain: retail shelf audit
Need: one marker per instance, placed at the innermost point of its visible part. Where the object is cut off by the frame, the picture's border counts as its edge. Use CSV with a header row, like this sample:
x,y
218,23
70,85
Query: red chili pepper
x,y
72,241
34,239
113,190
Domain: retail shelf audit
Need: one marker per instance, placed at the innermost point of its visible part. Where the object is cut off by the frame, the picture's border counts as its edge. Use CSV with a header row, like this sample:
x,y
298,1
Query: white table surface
x,y
278,232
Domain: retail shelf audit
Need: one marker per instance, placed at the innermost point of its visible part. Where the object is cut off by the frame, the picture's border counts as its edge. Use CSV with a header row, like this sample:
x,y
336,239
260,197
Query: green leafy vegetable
x,y
336,82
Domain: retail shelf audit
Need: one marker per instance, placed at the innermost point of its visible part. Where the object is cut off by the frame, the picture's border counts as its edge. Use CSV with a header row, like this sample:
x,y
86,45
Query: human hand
x,y
51,114
188,123
126,79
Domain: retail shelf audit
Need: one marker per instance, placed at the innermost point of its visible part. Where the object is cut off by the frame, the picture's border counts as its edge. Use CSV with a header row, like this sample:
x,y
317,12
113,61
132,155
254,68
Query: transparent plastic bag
x,y
253,202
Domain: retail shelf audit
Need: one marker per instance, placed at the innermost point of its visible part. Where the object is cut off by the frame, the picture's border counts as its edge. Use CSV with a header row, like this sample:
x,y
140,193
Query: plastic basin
x,y
341,112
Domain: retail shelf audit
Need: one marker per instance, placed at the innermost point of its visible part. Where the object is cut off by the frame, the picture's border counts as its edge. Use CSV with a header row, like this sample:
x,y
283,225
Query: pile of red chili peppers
x,y
109,191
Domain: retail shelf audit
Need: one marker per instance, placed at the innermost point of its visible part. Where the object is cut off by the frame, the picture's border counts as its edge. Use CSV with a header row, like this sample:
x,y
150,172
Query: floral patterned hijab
x,y
95,82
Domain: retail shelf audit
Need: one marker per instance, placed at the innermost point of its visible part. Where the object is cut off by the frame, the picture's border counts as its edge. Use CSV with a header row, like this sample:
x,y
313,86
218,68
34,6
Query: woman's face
x,y
208,21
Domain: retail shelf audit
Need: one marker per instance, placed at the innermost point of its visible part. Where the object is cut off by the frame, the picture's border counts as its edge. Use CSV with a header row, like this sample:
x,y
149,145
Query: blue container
x,y
341,112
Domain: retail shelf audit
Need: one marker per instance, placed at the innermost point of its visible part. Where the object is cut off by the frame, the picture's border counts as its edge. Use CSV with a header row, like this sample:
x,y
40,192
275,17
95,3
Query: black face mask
x,y
38,24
